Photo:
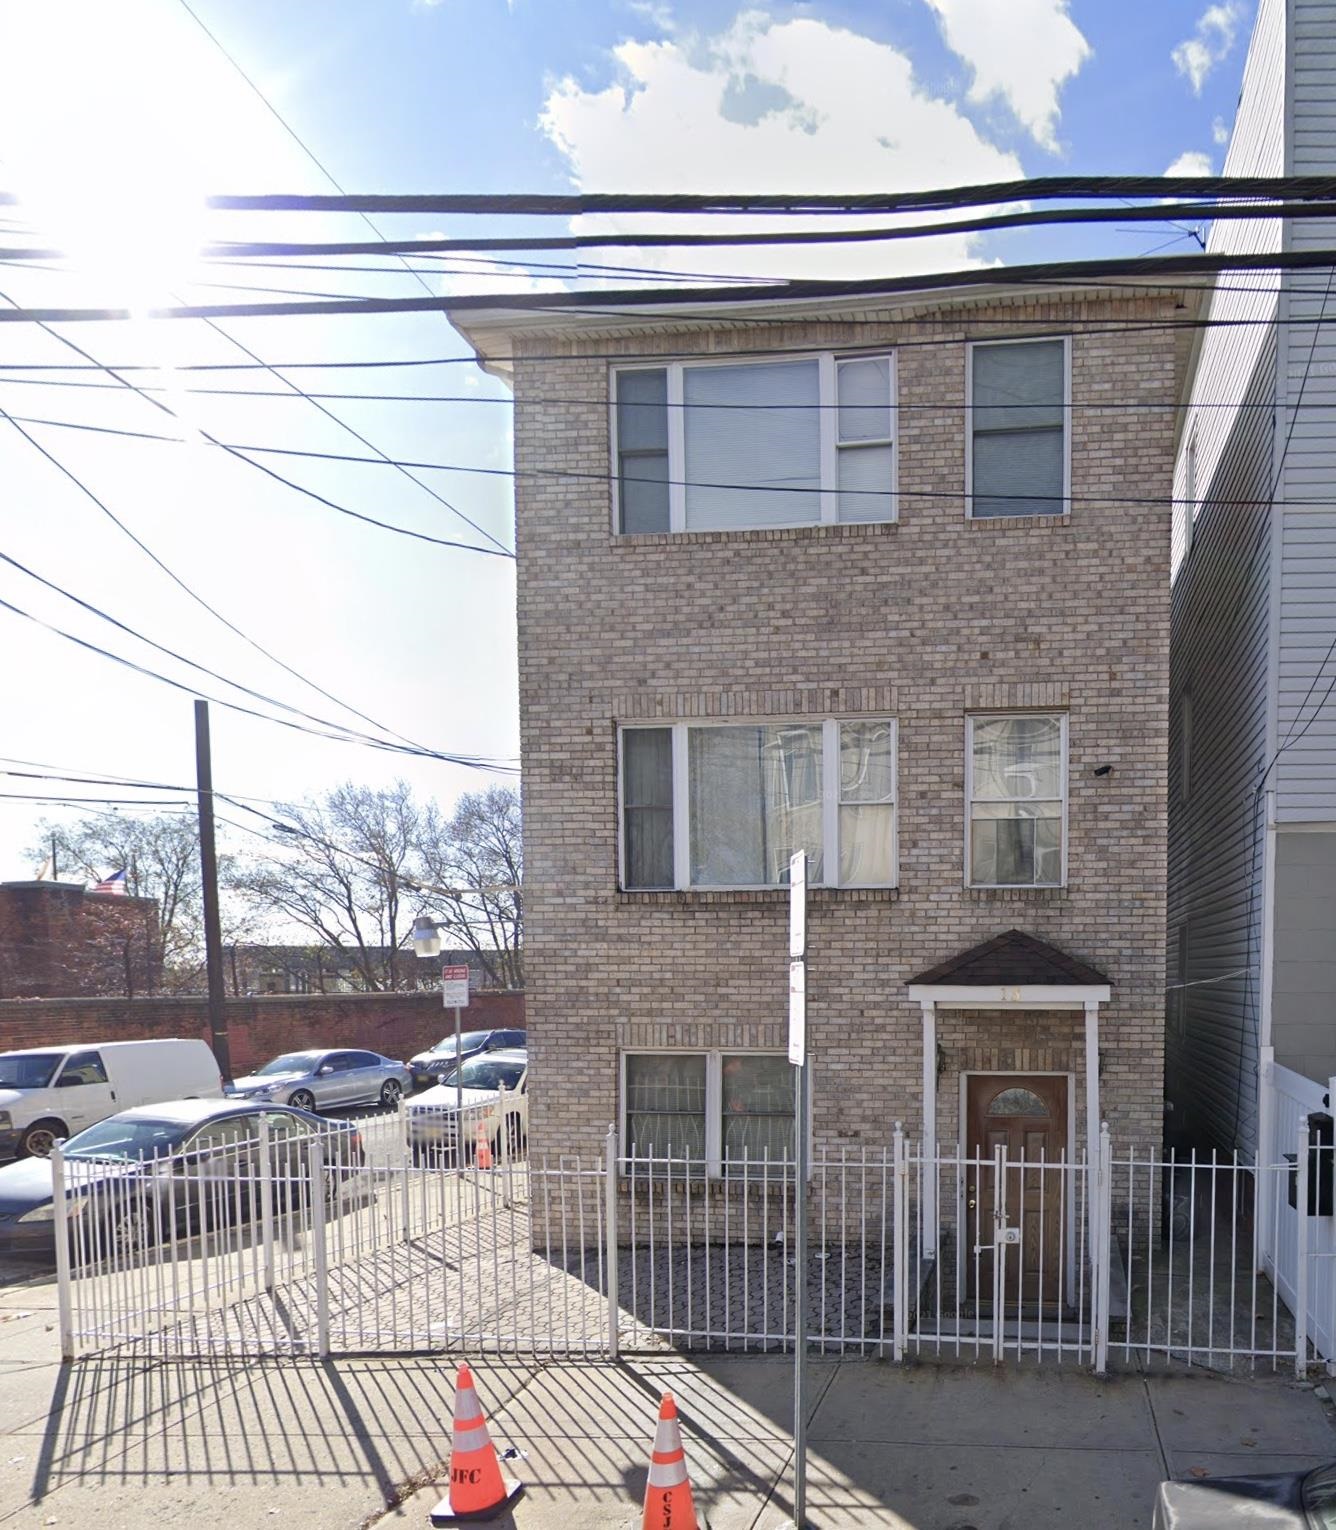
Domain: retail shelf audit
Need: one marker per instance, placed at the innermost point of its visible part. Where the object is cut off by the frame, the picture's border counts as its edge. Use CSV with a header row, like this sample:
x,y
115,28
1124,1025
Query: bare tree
x,y
342,873
472,864
160,858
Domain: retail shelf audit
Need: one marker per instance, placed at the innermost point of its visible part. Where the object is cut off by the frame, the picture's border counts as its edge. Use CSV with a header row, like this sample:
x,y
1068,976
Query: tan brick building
x,y
853,570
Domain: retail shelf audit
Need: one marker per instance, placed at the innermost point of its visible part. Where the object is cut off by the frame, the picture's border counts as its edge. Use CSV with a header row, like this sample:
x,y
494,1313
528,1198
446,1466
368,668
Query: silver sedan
x,y
326,1080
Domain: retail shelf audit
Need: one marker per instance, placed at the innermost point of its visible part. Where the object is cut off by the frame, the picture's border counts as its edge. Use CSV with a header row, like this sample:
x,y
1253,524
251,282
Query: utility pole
x,y
208,861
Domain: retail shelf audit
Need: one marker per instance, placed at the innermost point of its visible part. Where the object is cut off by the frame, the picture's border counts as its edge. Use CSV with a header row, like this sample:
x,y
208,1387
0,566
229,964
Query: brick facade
x,y
57,938
924,620
395,1024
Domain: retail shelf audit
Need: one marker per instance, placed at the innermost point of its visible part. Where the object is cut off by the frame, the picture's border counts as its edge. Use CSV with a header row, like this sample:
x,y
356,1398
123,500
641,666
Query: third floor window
x,y
1018,448
708,446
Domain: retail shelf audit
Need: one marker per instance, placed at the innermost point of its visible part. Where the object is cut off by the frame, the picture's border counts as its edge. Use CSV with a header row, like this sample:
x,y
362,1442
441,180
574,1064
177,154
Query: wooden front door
x,y
1026,1114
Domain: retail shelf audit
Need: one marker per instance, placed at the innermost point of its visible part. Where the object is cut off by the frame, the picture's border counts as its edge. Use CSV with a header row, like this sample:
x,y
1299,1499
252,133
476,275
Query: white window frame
x,y
714,1101
830,801
830,447
970,719
970,348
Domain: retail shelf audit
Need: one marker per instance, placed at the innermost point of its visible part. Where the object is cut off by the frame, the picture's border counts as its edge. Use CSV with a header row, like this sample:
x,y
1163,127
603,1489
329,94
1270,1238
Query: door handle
x,y
972,1203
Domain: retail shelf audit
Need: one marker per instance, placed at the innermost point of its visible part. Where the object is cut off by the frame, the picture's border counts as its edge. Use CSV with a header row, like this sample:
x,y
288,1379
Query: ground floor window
x,y
708,1110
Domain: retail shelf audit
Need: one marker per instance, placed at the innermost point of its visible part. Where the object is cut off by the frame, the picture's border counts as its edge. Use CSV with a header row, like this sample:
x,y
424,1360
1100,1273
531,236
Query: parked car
x,y
325,1079
145,1175
1284,1501
433,1125
51,1092
431,1066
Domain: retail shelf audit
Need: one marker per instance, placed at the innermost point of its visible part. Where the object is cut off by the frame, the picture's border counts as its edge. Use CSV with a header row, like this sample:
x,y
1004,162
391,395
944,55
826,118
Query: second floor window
x,y
1016,786
1018,438
727,447
727,806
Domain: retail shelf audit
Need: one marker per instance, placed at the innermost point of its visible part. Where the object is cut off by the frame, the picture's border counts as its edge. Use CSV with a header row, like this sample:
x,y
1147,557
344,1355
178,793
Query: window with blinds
x,y
734,446
1018,431
1016,783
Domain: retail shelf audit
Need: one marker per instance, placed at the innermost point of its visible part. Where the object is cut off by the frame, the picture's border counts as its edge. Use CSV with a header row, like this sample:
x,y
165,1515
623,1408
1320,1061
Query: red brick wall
x,y
396,1024
56,939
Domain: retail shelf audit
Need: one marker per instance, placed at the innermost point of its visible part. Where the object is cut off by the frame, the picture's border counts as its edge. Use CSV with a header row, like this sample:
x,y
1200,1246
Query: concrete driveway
x,y
352,1443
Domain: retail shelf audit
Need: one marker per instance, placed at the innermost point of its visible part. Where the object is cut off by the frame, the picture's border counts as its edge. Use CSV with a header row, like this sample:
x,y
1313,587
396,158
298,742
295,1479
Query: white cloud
x,y
1190,162
1216,29
797,105
1219,131
1022,50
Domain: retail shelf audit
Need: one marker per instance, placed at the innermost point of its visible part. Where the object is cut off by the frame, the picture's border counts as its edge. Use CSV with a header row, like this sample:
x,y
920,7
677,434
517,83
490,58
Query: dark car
x,y
158,1172
1284,1501
432,1066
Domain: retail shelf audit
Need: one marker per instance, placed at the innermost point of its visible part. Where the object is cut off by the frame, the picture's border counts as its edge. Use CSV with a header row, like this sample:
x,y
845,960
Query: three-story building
x,y
879,572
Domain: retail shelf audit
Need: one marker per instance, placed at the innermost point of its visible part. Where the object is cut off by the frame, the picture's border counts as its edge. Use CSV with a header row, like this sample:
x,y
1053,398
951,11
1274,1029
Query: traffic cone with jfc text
x,y
482,1147
477,1489
668,1501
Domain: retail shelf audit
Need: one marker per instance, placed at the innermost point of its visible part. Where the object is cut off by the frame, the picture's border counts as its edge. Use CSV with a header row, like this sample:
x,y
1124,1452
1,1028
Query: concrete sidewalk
x,y
348,1444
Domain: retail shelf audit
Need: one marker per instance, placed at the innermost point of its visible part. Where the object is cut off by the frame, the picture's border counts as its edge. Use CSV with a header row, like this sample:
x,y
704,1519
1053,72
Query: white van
x,y
51,1092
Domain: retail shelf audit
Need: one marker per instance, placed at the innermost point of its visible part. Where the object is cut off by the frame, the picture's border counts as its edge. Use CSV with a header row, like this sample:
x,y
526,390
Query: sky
x,y
116,120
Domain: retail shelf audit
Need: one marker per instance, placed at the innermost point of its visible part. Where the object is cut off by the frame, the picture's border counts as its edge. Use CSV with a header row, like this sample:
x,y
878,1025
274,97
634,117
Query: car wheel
x,y
391,1092
40,1138
302,1099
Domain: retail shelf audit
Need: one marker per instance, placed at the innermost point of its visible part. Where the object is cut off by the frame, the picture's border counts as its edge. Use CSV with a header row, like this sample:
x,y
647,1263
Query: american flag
x,y
115,883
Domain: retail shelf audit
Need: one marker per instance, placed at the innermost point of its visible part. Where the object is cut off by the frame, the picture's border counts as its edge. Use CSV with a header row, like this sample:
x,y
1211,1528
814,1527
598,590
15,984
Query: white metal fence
x,y
315,1243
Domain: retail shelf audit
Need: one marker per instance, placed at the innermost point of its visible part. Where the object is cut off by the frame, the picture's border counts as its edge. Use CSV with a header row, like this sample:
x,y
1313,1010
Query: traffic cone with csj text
x,y
477,1489
668,1501
482,1154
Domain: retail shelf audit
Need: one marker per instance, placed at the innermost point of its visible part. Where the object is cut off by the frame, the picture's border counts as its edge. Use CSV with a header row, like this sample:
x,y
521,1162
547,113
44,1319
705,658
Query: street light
x,y
426,937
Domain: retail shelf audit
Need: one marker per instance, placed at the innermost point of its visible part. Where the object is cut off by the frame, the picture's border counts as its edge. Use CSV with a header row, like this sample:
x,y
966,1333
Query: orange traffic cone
x,y
668,1501
483,1150
477,1488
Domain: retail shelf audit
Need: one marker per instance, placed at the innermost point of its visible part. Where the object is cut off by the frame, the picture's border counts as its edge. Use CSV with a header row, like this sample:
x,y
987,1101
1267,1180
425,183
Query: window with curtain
x,y
1017,789
755,799
665,1104
715,1110
647,807
753,795
1018,428
789,442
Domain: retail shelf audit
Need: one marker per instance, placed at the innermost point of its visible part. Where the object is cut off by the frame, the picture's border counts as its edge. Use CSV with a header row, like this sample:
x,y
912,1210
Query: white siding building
x,y
1252,817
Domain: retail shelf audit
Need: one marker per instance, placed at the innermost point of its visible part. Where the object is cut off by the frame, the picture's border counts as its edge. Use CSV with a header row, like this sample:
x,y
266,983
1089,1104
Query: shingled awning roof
x,y
1011,960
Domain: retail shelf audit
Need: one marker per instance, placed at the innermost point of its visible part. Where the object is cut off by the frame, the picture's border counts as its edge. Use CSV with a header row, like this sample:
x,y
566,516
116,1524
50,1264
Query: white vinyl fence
x,y
305,1244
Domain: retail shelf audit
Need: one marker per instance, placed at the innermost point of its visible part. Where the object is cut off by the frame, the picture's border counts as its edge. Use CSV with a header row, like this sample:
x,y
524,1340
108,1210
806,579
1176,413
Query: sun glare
x,y
107,142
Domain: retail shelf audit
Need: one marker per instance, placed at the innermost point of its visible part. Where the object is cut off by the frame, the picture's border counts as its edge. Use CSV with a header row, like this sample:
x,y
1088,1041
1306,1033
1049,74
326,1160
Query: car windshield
x,y
291,1062
467,1042
1319,1495
486,1073
126,1138
28,1070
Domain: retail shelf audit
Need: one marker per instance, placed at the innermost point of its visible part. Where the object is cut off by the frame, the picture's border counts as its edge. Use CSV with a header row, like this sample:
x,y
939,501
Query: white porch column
x,y
928,1194
1092,1082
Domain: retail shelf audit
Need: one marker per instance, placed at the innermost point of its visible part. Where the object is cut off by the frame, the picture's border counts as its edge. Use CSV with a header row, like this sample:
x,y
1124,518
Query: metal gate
x,y
290,1247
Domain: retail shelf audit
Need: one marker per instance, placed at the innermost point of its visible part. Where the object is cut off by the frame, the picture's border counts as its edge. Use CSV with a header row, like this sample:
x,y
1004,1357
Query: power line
x,y
1037,188
342,738
580,476
671,300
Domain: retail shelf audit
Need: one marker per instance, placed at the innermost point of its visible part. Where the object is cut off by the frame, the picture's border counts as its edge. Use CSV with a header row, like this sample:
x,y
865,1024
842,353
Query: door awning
x,y
1013,970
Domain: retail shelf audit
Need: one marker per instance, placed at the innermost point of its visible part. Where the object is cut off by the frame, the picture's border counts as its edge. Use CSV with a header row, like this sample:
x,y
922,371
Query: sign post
x,y
798,1057
455,990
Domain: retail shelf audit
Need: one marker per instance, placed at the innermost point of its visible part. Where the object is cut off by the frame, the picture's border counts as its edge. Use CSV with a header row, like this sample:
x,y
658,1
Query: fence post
x,y
266,1203
318,1208
64,1284
999,1247
610,1222
1102,1246
1301,1252
1264,1253
503,1145
899,1247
